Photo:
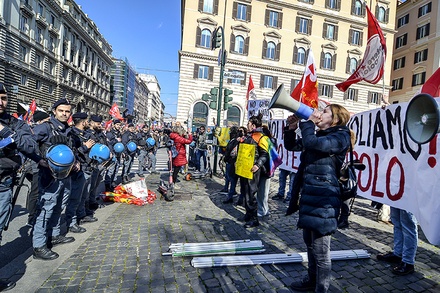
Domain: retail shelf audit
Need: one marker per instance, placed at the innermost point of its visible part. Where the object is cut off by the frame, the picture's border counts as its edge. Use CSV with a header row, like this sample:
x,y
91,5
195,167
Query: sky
x,y
147,33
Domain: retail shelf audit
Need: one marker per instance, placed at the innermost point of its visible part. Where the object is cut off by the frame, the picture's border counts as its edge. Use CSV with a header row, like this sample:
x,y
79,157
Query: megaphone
x,y
422,118
282,100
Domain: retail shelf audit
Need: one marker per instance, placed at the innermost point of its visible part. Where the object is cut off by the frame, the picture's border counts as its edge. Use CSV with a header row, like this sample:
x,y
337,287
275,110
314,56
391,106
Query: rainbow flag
x,y
265,142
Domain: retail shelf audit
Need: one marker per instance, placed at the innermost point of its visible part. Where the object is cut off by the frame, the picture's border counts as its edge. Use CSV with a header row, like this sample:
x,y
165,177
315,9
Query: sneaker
x,y
403,269
389,257
88,219
77,229
278,197
61,239
44,253
305,285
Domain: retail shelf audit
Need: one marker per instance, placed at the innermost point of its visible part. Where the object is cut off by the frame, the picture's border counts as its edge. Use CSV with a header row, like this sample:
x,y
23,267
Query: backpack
x,y
348,179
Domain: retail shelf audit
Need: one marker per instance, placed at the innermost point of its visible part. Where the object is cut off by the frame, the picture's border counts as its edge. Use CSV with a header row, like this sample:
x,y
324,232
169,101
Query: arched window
x,y
301,56
270,52
381,14
239,44
233,116
327,61
353,65
358,7
200,114
205,40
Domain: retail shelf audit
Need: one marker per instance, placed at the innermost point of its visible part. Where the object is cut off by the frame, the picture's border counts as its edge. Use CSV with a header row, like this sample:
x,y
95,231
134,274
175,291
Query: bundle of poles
x,y
214,248
246,260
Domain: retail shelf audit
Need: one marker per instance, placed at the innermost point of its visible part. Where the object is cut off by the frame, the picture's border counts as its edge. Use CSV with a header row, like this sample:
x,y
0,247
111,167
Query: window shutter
x,y
415,57
297,24
280,19
232,44
353,7
198,36
309,26
427,28
196,71
324,31
336,33
403,61
387,15
347,66
327,4
295,54
277,52
264,49
200,5
266,17
248,13
321,64
274,82
234,10
243,82
211,73
246,46
334,62
369,97
350,36
215,10
361,38
364,9
306,56
338,5
330,92
319,89
376,12
261,81
356,95
346,94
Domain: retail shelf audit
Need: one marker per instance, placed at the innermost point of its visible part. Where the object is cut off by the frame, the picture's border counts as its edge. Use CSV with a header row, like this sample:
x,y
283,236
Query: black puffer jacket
x,y
319,203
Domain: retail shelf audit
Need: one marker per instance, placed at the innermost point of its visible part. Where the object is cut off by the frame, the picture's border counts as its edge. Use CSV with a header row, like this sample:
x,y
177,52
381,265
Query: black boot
x,y
305,285
44,253
6,285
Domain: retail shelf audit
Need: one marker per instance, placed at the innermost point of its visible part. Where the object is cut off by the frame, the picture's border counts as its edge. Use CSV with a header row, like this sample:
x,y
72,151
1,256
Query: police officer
x,y
15,136
98,135
80,179
52,189
113,137
128,136
147,157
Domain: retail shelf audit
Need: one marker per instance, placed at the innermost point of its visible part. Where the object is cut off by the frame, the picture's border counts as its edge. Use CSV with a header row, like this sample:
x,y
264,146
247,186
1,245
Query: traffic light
x,y
216,39
227,98
212,98
213,105
206,97
214,93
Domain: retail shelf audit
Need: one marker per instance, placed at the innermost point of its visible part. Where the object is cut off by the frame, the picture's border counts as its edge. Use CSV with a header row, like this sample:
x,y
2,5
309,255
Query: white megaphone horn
x,y
282,100
422,118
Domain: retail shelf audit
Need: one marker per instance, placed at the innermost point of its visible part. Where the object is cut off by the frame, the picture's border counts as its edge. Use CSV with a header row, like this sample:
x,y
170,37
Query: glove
x,y
293,206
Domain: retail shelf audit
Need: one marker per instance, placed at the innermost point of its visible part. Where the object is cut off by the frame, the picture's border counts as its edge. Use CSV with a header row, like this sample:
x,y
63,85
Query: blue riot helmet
x,y
60,159
119,147
151,142
100,153
131,146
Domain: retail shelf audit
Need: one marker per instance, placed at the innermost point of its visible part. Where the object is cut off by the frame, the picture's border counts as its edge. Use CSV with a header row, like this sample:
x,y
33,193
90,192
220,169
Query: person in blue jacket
x,y
324,135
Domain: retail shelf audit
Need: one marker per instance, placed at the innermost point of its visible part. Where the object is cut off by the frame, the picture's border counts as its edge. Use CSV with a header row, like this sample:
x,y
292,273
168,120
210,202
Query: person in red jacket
x,y
181,138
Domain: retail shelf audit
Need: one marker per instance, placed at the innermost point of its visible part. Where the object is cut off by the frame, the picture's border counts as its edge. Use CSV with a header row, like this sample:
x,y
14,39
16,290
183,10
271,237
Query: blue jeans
x,y
318,253
231,179
263,196
5,203
112,171
405,235
199,154
282,177
77,196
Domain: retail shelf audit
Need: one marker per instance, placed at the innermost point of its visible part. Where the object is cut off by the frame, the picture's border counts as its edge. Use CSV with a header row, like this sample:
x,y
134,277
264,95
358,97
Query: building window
x,y
330,32
241,12
24,24
333,4
236,77
205,40
403,20
420,56
418,78
381,14
39,35
307,1
270,51
40,9
233,116
357,8
351,94
299,56
374,98
51,68
38,61
326,61
425,9
268,82
51,45
273,18
23,80
399,63
23,53
325,90
422,31
293,84
303,25
355,37
208,6
352,65
401,41
397,84
203,72
38,84
239,45
50,89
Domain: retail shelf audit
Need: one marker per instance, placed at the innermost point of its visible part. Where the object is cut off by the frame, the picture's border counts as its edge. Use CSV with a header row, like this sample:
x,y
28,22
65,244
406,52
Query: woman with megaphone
x,y
325,137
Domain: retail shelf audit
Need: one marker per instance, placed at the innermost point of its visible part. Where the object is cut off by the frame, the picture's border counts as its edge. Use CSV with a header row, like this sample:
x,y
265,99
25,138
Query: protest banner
x,y
245,160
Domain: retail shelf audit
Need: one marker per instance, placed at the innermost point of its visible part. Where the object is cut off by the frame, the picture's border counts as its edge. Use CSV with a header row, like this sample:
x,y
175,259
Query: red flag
x,y
70,120
371,67
31,111
107,124
250,92
306,91
114,112
432,85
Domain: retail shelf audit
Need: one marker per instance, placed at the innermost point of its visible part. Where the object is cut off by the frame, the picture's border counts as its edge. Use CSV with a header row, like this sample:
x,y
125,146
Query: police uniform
x,y
113,137
52,190
126,138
